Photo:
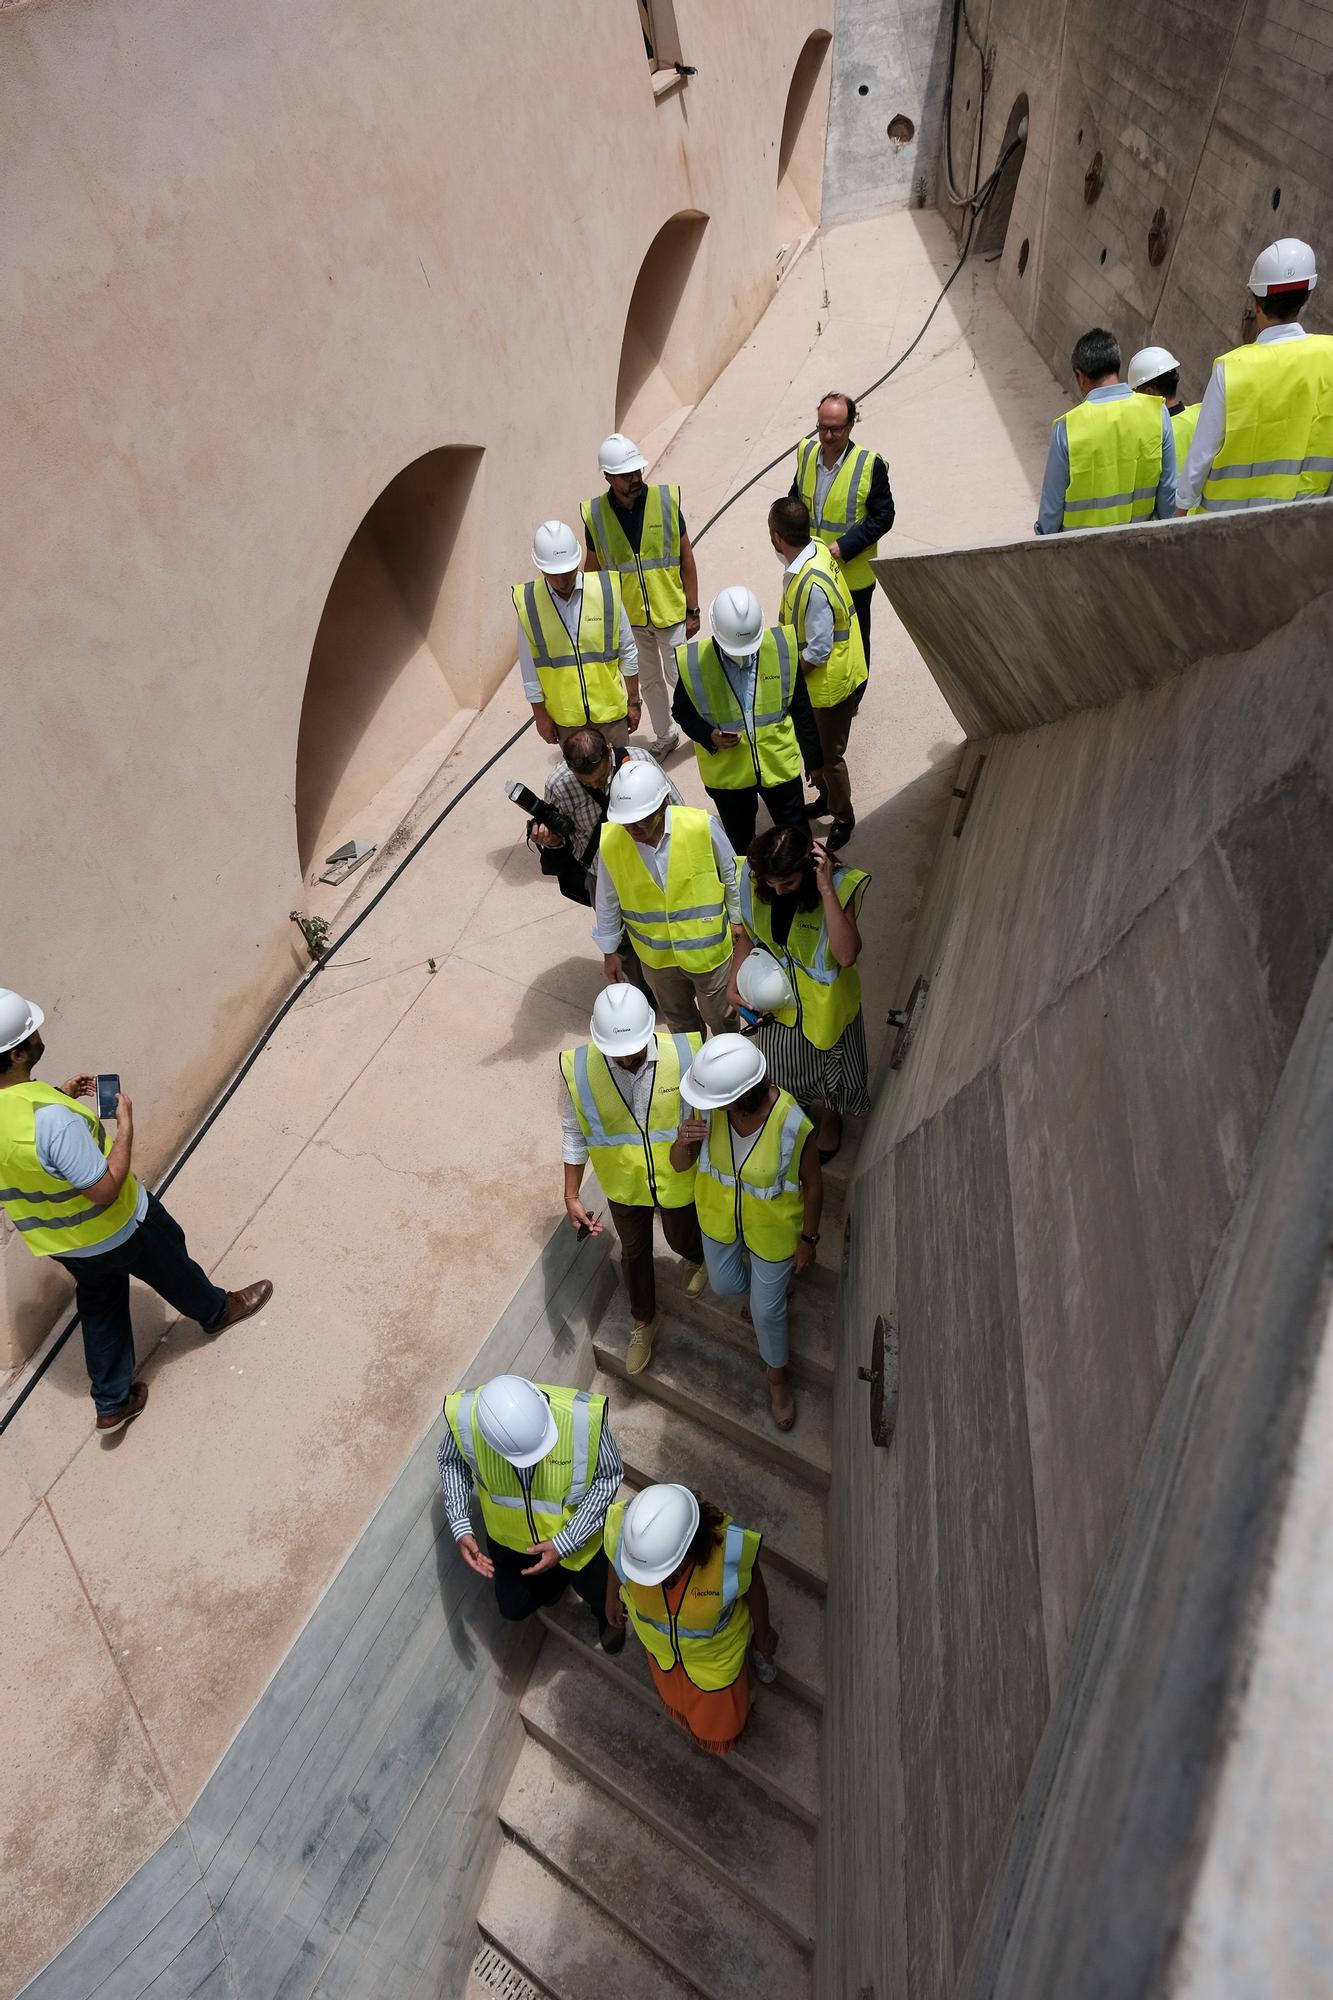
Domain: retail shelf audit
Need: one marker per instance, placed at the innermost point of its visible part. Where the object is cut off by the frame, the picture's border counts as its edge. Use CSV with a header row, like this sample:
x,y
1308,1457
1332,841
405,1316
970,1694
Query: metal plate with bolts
x,y
882,1375
904,1019
967,793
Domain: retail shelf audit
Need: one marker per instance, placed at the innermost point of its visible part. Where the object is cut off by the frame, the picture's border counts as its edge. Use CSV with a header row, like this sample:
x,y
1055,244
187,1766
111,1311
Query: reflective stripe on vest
x,y
713,1654
685,924
580,677
764,1201
845,668
649,579
845,504
1278,442
770,754
559,1481
1115,461
633,1164
828,995
51,1216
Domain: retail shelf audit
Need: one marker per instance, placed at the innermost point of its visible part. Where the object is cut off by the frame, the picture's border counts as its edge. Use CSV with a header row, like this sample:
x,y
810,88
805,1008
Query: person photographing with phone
x,y
67,1188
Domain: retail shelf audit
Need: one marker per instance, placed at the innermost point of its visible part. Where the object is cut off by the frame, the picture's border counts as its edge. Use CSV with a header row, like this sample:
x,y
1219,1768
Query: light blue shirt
x,y
68,1152
1055,484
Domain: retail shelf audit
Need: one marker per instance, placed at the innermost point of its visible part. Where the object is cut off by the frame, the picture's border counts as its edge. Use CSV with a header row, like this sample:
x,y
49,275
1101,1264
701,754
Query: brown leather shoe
x,y
116,1420
241,1304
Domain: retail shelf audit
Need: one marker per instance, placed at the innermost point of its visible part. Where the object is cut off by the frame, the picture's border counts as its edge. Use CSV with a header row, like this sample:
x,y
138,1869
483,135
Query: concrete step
x,y
812,1323
798,1619
656,1444
692,1923
717,1384
779,1751
563,1943
646,1762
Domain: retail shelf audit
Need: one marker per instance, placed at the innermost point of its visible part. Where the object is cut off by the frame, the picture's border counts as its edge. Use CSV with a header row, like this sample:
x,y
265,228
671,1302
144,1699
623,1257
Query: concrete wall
x,y
888,62
1216,115
1120,946
255,264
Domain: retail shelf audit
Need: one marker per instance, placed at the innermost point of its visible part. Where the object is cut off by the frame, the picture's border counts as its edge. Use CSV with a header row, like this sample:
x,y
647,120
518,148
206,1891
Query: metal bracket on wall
x,y
904,1019
966,793
882,1375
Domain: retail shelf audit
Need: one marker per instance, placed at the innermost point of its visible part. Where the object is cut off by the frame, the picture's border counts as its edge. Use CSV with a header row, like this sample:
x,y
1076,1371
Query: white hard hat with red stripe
x,y
1285,266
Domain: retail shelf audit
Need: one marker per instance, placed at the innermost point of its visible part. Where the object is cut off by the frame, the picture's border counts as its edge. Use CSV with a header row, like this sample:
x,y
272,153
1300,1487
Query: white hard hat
x,y
659,1526
555,549
724,1069
1283,267
620,454
515,1419
19,1018
622,1021
637,790
1149,363
736,620
763,985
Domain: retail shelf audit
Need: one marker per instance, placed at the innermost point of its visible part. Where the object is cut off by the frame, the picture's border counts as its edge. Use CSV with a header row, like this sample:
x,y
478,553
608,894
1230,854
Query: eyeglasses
x,y
832,430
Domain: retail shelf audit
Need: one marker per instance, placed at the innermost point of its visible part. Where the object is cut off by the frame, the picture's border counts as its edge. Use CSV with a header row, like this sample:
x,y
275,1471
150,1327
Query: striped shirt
x,y
584,1522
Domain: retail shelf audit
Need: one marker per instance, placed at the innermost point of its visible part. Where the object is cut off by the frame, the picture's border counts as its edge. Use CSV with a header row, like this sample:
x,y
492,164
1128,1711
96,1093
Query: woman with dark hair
x,y
800,906
690,1581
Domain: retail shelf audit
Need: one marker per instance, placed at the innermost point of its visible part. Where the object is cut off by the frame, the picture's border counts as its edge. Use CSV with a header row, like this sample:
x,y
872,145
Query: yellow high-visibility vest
x,y
845,503
845,670
685,924
1183,426
50,1215
514,1518
763,1201
828,995
710,1633
650,579
1115,461
771,754
633,1162
580,678
1278,442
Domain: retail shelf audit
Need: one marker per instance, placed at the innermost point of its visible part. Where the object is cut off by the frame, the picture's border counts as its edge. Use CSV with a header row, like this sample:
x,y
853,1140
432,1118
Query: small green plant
x,y
315,931
920,189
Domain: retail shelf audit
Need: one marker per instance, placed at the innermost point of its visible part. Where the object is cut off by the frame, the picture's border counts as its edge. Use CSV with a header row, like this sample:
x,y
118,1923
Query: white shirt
x,y
606,932
825,476
634,1085
817,639
1212,425
569,609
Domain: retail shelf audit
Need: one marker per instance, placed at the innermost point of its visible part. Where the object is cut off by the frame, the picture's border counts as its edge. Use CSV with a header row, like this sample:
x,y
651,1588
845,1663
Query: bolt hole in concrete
x,y
1022,256
863,90
901,129
1079,140
1277,196
1102,258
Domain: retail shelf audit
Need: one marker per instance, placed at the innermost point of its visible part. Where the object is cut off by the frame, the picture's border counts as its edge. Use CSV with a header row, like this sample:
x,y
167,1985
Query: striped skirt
x,y
835,1079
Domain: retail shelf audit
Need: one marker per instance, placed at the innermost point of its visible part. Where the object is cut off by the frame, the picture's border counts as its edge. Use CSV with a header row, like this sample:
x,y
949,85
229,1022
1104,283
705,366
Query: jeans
x,y
518,1596
738,809
157,1255
634,1227
767,1284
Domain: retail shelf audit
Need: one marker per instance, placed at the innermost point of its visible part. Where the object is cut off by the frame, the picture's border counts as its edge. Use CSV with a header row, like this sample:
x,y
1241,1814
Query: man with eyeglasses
x,y
846,488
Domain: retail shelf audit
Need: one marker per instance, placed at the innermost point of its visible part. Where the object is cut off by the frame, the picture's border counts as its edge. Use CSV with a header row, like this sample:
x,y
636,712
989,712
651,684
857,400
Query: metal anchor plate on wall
x,y
882,1375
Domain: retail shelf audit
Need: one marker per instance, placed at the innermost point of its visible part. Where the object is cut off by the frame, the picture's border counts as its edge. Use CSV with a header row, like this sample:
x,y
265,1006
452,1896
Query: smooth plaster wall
x,y
253,263
1120,946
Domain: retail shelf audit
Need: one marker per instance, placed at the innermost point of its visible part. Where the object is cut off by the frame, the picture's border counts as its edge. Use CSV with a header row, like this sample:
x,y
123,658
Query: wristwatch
x,y
808,1239
691,611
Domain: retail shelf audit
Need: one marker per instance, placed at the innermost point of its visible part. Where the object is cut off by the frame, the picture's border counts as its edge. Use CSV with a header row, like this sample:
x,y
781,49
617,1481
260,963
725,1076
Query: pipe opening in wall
x,y
1277,196
1102,258
863,90
994,224
801,147
1022,256
1079,140
901,130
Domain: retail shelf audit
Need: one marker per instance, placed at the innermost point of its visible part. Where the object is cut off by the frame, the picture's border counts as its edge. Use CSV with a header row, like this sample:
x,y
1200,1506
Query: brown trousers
x,y
634,1227
616,733
693,1002
831,780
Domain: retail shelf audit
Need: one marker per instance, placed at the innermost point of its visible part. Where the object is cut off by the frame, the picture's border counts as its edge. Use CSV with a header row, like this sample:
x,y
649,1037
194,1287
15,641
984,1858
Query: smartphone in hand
x,y
107,1090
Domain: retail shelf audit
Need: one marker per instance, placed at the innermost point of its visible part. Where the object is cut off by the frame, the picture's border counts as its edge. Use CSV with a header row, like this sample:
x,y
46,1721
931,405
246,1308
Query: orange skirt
x,y
714,1717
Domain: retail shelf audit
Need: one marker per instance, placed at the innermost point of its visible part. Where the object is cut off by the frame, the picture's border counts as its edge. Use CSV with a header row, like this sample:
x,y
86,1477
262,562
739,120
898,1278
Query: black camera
x,y
541,810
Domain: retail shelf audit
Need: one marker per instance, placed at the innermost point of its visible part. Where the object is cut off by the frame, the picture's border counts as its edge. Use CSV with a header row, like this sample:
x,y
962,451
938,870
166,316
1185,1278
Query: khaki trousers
x,y
693,1002
616,733
831,780
657,672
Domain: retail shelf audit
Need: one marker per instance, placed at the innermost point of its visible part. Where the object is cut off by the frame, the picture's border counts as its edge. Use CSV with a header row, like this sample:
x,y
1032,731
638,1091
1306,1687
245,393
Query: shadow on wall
x,y
801,149
656,375
380,683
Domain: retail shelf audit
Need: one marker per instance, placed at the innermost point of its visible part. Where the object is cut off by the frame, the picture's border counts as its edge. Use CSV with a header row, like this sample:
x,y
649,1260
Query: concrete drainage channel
x,y
496,1975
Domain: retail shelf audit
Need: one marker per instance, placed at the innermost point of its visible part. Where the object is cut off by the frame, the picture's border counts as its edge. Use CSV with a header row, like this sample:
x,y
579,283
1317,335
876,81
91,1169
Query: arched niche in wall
x,y
994,223
658,370
378,691
801,147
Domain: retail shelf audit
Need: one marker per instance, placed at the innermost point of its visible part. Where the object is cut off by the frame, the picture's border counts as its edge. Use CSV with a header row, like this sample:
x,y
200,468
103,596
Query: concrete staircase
x,y
633,1863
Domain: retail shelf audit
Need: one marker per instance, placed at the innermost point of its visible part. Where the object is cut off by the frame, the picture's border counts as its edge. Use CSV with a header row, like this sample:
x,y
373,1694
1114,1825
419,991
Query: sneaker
x,y
612,1637
665,744
839,834
695,1277
116,1420
640,1350
764,1670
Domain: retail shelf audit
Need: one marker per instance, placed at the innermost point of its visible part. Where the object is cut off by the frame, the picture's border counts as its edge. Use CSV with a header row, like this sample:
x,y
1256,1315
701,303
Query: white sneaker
x,y
764,1670
664,744
640,1350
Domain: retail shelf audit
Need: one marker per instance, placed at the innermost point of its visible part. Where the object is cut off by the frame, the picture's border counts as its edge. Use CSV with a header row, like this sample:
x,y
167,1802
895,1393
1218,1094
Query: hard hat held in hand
x,y
1148,364
622,1023
620,454
724,1069
555,549
763,985
19,1018
515,1419
658,1528
736,620
1285,266
637,790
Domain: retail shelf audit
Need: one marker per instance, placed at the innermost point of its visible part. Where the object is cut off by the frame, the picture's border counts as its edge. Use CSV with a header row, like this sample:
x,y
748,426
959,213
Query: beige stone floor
x,y
392,1160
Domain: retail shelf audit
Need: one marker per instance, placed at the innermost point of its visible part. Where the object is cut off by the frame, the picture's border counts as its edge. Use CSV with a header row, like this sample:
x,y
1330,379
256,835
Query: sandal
x,y
782,1423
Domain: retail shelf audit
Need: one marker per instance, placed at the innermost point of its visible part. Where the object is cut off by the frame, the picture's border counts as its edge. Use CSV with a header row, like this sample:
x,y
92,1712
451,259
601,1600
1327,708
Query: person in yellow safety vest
x,y
68,1190
688,1577
759,1191
1154,371
816,604
638,531
1112,459
1265,428
621,1109
845,486
801,911
576,652
543,1466
666,879
743,699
